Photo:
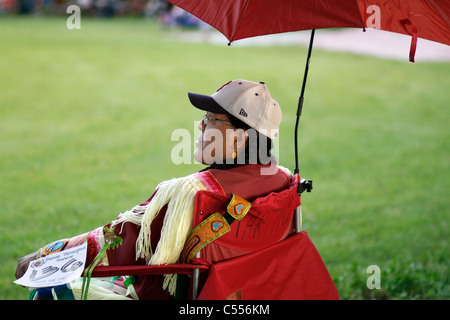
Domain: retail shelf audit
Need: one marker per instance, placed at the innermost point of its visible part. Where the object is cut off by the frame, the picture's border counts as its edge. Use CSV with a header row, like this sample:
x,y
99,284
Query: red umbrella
x,y
239,19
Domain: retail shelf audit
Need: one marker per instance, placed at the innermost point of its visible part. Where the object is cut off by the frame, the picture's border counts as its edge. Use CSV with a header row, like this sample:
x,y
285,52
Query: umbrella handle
x,y
301,99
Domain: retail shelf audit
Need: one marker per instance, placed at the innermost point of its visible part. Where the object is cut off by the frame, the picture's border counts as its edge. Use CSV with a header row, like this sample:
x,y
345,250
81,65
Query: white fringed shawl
x,y
179,195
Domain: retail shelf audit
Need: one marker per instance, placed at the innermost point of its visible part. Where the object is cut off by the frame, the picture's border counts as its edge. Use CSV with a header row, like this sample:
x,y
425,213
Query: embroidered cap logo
x,y
243,113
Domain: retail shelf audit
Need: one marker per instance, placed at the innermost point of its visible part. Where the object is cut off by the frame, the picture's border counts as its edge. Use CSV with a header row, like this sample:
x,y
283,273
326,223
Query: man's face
x,y
216,142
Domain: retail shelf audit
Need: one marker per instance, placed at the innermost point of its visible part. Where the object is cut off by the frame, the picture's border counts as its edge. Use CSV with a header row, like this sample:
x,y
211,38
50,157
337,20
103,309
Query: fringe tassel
x,y
179,195
134,216
170,283
99,290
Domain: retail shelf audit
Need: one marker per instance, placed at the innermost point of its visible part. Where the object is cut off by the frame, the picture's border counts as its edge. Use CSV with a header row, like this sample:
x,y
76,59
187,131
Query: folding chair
x,y
273,268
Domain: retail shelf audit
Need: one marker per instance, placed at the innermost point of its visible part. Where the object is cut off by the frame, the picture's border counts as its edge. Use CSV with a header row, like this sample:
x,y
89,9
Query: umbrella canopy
x,y
239,19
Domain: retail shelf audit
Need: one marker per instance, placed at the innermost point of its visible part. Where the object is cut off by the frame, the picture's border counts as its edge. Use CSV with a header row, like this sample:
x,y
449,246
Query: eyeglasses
x,y
207,118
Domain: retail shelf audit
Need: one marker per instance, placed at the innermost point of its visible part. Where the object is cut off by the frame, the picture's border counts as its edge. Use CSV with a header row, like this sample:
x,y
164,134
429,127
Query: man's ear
x,y
240,138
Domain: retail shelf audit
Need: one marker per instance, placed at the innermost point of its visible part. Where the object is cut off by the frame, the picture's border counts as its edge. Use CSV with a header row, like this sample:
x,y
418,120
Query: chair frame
x,y
195,268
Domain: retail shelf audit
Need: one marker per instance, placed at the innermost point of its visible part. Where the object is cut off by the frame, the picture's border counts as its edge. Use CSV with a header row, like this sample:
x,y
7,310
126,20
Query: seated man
x,y
236,136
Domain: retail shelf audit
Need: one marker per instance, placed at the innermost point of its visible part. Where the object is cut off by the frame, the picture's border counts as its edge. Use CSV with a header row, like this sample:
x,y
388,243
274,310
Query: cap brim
x,y
206,103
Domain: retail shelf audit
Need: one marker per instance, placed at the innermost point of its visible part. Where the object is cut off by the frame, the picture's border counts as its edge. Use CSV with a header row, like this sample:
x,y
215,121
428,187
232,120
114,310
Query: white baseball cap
x,y
248,101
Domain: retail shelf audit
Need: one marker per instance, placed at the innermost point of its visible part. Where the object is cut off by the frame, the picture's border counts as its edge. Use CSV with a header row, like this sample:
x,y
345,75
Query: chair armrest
x,y
176,268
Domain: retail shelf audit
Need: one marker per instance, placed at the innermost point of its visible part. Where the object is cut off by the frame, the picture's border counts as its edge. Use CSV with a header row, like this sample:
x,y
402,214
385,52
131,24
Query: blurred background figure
x,y
162,11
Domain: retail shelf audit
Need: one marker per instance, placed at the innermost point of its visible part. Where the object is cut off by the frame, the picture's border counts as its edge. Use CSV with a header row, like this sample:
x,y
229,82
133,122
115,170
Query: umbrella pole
x,y
302,98
303,185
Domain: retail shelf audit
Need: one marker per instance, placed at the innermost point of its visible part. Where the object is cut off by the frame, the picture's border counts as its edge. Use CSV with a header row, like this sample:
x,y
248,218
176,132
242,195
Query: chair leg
x,y
298,219
195,280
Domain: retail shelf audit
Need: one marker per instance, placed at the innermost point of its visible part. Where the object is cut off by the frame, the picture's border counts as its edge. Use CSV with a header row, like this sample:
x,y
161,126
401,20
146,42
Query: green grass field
x,y
86,118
